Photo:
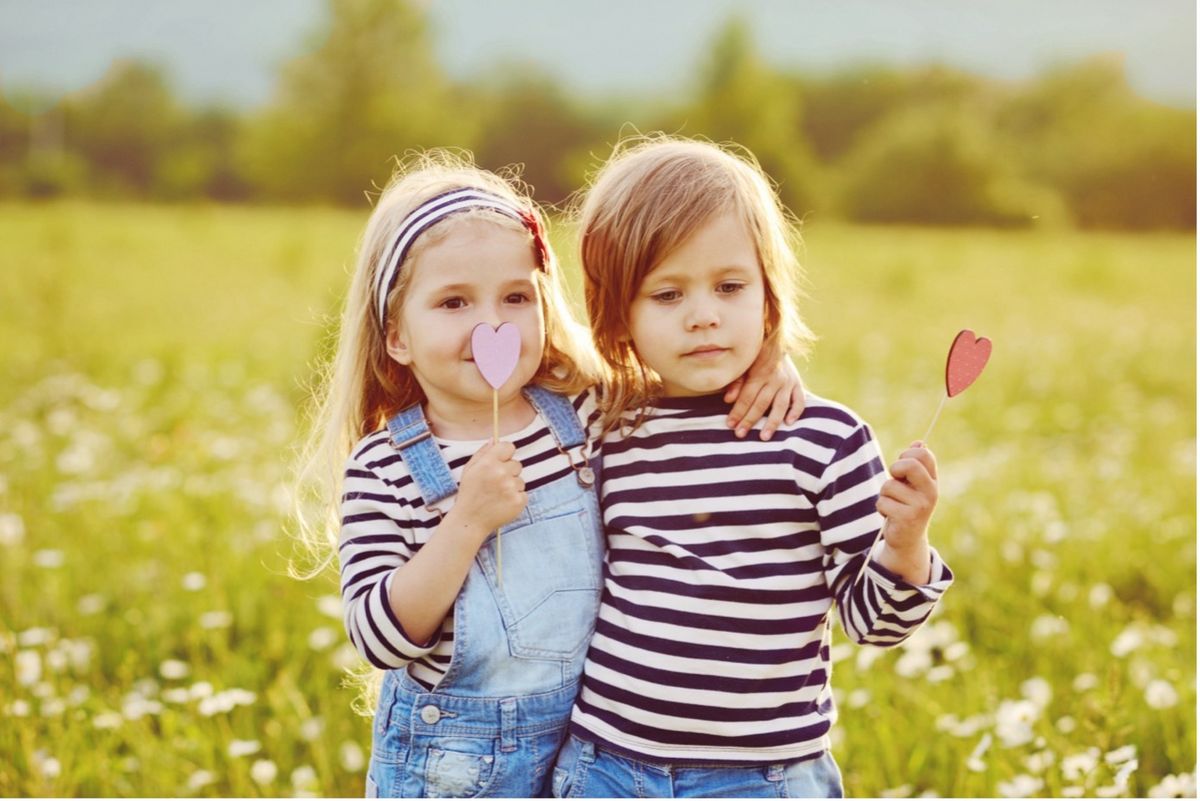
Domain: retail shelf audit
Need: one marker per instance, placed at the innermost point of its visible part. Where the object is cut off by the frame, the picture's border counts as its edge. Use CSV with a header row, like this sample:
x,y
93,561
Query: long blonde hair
x,y
362,386
652,194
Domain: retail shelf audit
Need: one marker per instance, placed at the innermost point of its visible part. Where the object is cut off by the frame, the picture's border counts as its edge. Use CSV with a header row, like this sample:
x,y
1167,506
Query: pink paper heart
x,y
968,356
496,352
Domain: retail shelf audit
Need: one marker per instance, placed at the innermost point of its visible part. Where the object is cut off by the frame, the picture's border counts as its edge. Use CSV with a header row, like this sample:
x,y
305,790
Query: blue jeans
x,y
586,771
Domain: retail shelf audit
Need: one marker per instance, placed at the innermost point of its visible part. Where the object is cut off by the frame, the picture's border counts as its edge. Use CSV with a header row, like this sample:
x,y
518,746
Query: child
x,y
709,671
482,664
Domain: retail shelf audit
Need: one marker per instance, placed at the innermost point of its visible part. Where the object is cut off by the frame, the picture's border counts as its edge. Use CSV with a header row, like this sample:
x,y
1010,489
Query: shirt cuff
x,y
941,577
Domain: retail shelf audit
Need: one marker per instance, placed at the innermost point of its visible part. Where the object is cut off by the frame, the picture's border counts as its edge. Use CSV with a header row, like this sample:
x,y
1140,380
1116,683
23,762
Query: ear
x,y
397,346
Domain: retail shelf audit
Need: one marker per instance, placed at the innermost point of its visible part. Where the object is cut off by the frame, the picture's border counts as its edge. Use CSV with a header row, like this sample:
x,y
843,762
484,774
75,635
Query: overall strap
x,y
411,436
558,412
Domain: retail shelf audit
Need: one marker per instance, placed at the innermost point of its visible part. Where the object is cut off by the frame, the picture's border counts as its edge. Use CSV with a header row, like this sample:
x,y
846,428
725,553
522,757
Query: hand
x,y
907,500
491,492
772,381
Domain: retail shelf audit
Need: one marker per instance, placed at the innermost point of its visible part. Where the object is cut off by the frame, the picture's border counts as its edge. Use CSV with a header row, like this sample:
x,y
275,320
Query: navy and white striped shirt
x,y
724,558
385,522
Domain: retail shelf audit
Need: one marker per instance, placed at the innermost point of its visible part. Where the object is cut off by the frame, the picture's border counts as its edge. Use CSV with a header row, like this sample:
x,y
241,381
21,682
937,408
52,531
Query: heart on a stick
x,y
496,351
968,356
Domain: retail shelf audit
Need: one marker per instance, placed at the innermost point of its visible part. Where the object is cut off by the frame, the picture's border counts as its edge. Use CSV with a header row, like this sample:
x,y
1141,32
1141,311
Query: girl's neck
x,y
468,421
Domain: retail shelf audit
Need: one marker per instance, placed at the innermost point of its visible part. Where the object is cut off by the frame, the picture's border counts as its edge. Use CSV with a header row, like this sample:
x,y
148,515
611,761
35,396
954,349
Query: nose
x,y
700,315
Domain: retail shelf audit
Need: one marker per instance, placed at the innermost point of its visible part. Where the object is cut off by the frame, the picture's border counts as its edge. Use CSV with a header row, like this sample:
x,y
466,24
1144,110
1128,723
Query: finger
x,y
745,399
922,454
779,407
914,473
757,409
503,450
514,467
797,405
732,393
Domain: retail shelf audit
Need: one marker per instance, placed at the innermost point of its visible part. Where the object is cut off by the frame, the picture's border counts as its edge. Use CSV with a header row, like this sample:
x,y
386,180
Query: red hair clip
x,y
539,242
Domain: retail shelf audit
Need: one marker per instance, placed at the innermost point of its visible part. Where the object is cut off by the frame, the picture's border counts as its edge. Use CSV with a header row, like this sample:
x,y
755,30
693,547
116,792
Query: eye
x,y
517,298
452,303
730,287
666,296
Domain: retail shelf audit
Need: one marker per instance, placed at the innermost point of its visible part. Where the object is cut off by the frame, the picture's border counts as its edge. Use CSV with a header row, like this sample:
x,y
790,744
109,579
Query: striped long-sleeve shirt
x,y
724,558
385,522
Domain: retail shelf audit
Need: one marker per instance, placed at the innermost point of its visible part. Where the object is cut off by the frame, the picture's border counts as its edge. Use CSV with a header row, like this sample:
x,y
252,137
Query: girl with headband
x,y
479,673
709,671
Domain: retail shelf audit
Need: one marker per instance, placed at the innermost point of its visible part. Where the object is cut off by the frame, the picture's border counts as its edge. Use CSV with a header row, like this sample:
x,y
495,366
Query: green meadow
x,y
155,363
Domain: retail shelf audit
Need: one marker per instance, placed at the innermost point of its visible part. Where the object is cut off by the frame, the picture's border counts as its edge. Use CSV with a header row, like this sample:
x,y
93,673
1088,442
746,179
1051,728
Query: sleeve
x,y
376,538
875,605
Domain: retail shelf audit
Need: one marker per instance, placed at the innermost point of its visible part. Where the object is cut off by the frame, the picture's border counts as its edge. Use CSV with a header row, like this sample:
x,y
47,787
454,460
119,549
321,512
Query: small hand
x,y
770,382
908,498
492,492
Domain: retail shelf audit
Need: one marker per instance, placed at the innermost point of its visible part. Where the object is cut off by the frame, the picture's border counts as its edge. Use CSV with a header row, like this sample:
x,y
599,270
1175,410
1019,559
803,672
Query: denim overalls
x,y
493,724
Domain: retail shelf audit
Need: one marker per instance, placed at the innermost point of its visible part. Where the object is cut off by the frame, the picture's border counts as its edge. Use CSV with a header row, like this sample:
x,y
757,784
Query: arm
x,y
396,596
771,382
876,604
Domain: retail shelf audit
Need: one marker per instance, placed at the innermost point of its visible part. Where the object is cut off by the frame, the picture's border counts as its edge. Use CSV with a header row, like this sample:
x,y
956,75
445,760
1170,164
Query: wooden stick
x,y
496,438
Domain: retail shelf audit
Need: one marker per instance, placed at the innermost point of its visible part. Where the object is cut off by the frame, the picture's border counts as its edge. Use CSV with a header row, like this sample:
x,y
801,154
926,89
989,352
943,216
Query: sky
x,y
230,50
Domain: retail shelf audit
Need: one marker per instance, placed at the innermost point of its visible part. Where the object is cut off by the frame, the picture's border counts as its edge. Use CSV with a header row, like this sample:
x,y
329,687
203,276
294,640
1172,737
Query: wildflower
x,y
173,669
1046,627
1073,792
939,674
1129,640
263,771
1099,595
28,668
46,765
1065,724
311,729
1037,690
91,604
330,606
108,720
176,695
1078,767
18,709
321,638
12,529
1014,722
1181,785
903,791
304,778
1039,762
1161,694
216,620
352,756
858,698
1122,755
975,762
201,689
1085,681
1021,786
194,582
241,748
199,780
48,558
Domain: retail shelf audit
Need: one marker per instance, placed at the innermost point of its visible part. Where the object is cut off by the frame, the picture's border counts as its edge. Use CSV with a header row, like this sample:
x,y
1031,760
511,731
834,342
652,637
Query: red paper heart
x,y
968,356
496,352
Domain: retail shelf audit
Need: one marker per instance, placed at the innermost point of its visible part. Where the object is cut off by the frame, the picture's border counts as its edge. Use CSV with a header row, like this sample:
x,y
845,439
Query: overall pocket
x,y
551,589
457,772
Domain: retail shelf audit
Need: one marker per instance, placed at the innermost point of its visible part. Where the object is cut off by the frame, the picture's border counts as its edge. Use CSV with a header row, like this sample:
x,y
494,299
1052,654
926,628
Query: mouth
x,y
705,352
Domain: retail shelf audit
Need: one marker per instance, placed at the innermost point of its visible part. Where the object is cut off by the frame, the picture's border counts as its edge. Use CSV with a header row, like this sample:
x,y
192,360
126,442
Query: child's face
x,y
699,315
481,272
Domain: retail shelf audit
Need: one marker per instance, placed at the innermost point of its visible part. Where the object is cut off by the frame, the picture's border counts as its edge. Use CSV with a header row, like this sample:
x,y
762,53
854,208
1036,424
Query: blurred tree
x,y
529,119
839,108
123,126
742,99
1118,160
940,164
369,88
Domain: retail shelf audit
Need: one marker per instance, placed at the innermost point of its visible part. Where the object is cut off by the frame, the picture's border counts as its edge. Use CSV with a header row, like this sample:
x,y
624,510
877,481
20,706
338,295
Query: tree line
x,y
930,145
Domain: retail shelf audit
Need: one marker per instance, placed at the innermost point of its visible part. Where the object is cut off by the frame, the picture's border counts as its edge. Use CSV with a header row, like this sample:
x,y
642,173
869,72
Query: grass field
x,y
151,642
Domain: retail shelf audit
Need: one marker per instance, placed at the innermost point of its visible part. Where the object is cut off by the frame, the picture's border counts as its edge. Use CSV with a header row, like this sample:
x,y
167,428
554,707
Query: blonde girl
x,y
709,670
481,665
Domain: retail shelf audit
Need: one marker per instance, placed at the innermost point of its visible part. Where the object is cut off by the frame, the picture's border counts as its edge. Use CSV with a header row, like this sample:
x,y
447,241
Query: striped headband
x,y
433,211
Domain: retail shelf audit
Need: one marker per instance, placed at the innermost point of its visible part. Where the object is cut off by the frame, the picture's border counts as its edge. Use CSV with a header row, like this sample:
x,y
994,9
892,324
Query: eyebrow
x,y
686,276
461,287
